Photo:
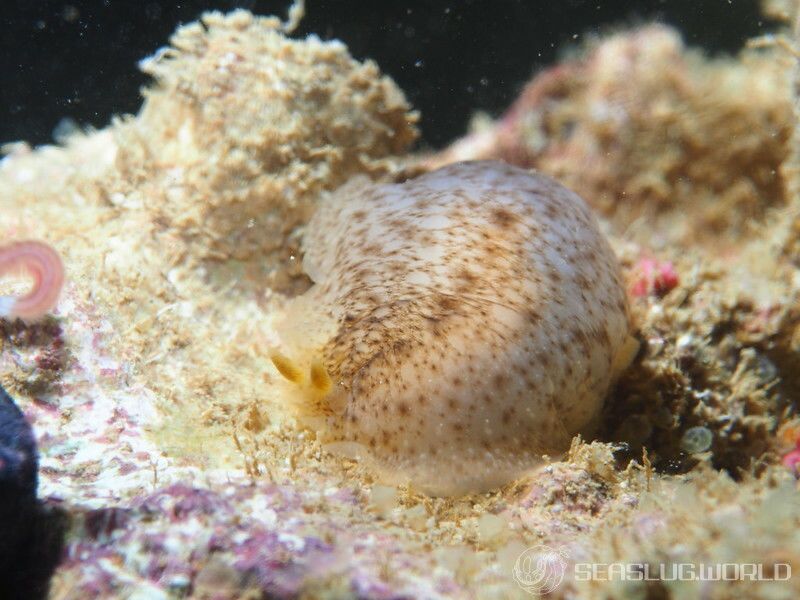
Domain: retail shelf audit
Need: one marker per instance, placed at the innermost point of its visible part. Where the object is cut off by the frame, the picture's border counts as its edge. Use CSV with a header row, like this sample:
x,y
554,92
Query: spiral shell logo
x,y
540,569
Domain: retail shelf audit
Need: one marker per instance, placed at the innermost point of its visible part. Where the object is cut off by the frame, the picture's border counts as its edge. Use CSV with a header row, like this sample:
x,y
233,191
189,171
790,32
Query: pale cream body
x,y
470,320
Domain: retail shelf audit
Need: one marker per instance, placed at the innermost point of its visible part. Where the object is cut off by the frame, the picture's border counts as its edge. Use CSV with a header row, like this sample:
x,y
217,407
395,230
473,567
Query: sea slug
x,y
461,325
44,266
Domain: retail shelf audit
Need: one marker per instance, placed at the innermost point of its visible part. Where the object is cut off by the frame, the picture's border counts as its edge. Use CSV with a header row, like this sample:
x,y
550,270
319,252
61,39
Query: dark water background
x,y
78,59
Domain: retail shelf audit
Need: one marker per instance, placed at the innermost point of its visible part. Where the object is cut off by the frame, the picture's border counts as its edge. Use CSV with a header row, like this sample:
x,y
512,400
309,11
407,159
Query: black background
x,y
78,59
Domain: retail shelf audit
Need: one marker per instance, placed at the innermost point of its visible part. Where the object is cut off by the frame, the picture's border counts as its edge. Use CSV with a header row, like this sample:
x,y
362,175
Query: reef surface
x,y
160,420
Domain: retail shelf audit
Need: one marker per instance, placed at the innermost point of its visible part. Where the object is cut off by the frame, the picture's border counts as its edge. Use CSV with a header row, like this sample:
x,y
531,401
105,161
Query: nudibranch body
x,y
461,324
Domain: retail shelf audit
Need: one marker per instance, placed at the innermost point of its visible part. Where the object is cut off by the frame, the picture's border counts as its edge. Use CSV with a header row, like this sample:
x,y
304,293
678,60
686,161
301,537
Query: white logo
x,y
540,569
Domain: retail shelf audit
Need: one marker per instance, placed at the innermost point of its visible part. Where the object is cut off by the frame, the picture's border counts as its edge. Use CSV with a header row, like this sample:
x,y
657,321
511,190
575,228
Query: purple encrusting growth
x,y
190,539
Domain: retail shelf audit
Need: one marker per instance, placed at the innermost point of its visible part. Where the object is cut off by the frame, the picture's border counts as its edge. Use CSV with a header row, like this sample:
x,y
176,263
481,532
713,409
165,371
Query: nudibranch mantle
x,y
462,324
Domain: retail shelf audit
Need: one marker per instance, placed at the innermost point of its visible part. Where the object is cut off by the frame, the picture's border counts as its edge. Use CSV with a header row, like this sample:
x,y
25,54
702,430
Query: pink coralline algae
x,y
653,277
214,541
791,459
44,266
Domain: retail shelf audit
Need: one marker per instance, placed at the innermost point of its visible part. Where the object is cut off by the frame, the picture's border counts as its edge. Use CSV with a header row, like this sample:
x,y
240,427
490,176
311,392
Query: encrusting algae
x,y
284,119
476,319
